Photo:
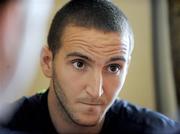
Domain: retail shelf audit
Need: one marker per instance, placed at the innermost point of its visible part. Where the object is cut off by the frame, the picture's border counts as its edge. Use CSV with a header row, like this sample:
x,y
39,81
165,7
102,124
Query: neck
x,y
61,121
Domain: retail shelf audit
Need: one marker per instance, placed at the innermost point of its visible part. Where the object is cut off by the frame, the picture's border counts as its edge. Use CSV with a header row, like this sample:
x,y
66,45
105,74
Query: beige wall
x,y
139,86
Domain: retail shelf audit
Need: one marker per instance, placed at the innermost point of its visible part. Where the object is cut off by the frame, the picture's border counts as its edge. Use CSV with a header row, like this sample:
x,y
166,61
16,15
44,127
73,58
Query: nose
x,y
95,85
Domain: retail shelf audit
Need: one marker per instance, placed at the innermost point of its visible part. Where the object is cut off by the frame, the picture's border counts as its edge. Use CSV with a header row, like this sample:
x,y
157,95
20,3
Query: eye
x,y
79,64
114,68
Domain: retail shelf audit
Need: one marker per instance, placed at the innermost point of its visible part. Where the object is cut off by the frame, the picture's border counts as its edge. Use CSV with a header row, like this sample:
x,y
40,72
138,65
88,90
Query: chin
x,y
87,121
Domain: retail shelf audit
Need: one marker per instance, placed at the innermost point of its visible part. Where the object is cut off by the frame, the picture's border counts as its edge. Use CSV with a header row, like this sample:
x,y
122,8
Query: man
x,y
87,58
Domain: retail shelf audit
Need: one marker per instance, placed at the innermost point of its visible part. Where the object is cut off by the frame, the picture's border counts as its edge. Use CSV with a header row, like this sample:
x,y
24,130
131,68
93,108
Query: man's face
x,y
88,73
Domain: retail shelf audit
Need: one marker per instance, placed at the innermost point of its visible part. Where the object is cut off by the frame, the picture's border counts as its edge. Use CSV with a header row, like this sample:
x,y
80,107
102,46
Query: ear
x,y
128,63
129,60
46,61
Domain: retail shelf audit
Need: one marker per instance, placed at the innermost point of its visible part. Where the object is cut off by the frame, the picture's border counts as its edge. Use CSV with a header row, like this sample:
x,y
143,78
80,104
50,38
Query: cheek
x,y
112,87
70,81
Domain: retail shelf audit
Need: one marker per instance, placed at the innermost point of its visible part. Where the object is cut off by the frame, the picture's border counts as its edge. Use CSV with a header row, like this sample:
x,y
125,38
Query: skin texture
x,y
87,74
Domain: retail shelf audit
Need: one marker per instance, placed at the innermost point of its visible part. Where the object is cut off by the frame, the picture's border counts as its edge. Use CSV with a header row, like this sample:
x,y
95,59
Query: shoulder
x,y
126,110
26,106
25,114
138,119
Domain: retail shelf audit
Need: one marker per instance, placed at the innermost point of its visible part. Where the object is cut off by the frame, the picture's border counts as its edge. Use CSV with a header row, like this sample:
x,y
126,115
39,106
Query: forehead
x,y
94,42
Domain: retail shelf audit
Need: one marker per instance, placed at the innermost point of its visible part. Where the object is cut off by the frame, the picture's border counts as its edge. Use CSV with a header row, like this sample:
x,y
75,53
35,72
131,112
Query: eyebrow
x,y
118,58
77,54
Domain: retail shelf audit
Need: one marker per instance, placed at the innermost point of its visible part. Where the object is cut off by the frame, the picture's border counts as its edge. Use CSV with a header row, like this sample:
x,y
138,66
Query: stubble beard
x,y
61,100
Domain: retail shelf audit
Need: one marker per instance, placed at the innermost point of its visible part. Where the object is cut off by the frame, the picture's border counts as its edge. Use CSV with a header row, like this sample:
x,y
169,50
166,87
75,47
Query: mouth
x,y
91,103
92,109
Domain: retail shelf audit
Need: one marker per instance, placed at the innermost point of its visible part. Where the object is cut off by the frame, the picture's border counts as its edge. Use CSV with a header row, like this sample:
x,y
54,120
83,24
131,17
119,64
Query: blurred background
x,y
153,80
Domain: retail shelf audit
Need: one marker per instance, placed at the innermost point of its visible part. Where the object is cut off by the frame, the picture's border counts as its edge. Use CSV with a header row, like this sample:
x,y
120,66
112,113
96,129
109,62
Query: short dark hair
x,y
99,14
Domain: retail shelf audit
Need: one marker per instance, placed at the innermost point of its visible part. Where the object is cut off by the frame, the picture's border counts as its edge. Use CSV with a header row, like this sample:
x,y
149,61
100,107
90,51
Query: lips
x,y
93,104
91,101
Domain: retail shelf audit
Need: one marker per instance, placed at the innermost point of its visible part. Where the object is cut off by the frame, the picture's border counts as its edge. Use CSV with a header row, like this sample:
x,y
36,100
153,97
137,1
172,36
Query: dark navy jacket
x,y
31,116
